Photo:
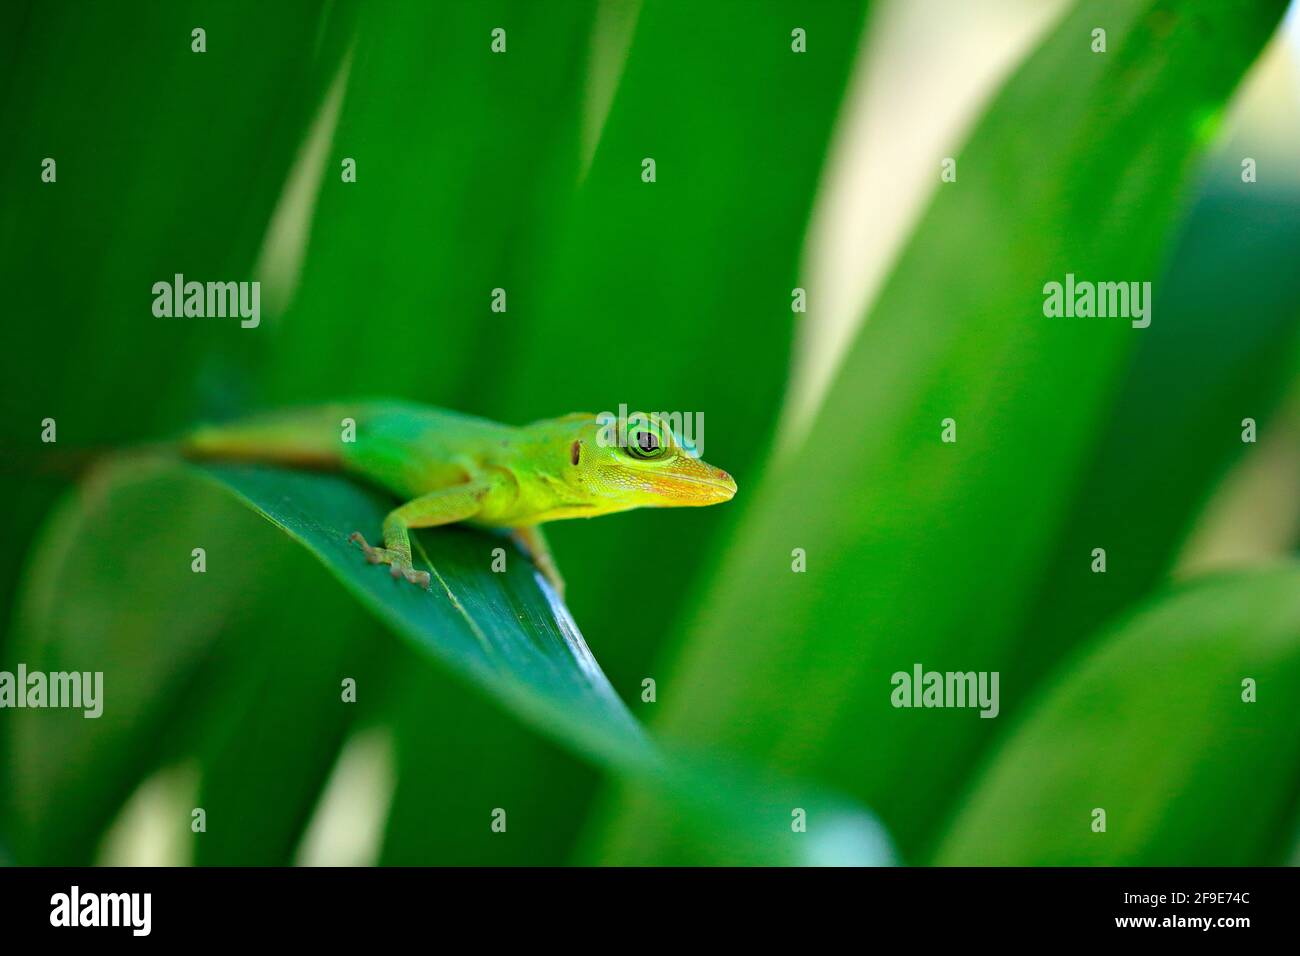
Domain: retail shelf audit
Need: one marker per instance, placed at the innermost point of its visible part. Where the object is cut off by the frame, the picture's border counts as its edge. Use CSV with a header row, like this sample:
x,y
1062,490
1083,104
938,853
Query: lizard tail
x,y
304,438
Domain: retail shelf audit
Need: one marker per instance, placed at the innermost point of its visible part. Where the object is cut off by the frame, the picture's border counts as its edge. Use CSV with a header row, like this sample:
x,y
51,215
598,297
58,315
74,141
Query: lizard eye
x,y
644,445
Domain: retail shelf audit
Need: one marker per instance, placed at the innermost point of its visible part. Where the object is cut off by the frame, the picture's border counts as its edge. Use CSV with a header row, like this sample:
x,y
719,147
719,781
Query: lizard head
x,y
644,464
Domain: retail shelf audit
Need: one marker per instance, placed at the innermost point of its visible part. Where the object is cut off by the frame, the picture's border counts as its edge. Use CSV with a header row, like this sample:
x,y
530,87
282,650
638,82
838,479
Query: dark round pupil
x,y
646,441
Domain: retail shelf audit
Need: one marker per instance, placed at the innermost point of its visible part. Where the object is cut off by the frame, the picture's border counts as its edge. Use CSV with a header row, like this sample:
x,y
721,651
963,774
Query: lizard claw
x,y
398,566
373,555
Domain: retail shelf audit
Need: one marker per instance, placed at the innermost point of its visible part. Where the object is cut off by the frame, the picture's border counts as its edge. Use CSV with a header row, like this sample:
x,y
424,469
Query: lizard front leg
x,y
531,540
445,506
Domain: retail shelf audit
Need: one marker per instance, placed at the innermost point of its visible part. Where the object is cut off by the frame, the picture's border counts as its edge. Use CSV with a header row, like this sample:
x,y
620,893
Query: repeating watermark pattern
x,y
922,688
1102,300
74,908
622,429
217,300
72,690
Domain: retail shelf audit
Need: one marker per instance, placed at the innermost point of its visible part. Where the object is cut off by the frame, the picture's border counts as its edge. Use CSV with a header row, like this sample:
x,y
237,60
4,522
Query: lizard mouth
x,y
696,489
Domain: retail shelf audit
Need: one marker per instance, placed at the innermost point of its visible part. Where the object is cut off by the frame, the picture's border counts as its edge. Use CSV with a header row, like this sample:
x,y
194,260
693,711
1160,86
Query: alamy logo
x,y
214,300
617,431
1102,300
79,690
75,908
922,688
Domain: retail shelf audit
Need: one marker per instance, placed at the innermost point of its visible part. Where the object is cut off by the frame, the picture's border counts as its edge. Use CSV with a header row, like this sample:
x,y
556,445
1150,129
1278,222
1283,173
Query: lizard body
x,y
449,467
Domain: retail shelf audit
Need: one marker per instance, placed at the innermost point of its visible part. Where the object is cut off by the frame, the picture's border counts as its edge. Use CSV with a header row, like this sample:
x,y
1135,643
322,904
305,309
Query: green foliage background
x,y
474,172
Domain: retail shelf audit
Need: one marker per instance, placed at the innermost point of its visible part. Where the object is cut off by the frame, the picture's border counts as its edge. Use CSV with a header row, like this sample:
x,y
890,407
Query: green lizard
x,y
449,467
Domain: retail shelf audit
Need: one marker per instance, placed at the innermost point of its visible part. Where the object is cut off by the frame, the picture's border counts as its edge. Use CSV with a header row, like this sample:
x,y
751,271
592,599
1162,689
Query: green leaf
x,y
270,717
462,157
1175,427
505,633
509,635
228,123
1149,724
449,781
110,589
925,551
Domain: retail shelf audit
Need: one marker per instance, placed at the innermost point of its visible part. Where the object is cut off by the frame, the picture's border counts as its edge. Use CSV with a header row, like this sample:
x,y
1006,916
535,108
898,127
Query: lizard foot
x,y
398,566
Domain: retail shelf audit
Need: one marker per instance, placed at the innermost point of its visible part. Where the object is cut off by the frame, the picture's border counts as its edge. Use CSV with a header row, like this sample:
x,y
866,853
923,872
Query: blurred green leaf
x,y
462,157
1150,725
268,720
459,756
111,590
920,550
215,133
1175,427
